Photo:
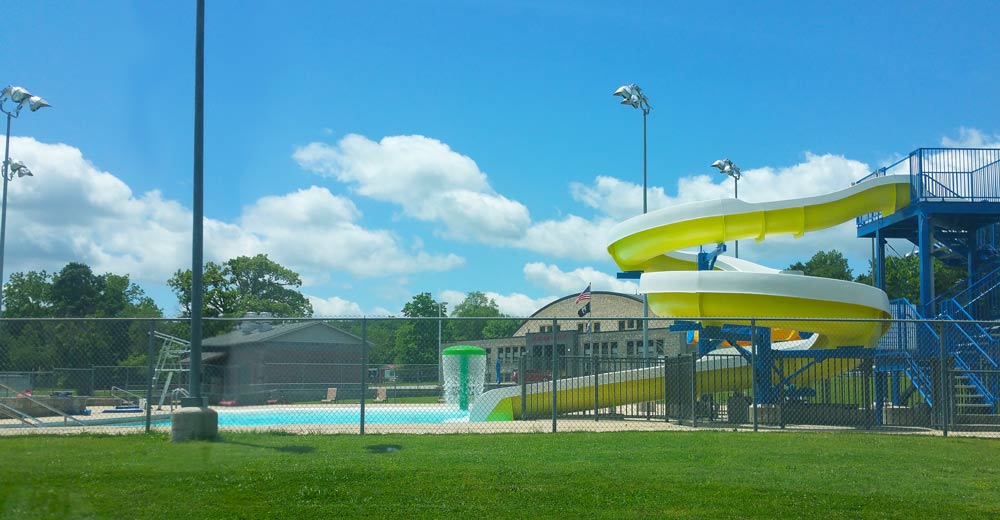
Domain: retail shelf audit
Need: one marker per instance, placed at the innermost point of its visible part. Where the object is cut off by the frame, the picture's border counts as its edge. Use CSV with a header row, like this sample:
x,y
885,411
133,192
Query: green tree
x,y
241,285
500,328
417,341
478,305
902,277
475,305
74,292
27,295
825,264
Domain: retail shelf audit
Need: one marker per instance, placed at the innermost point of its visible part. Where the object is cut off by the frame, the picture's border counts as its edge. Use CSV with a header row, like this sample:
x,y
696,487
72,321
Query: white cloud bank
x,y
514,304
71,210
430,182
972,138
425,177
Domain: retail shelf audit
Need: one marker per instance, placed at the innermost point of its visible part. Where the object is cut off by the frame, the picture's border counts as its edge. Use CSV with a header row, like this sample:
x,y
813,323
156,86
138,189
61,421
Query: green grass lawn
x,y
570,475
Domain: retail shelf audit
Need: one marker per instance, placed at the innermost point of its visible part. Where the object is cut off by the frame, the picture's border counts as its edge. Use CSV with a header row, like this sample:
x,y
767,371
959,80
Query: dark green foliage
x,y
417,341
241,285
825,264
478,305
74,292
902,277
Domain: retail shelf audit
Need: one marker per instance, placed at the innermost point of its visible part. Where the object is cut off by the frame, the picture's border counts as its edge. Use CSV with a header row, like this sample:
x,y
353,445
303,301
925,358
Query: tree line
x,y
902,274
231,289
259,284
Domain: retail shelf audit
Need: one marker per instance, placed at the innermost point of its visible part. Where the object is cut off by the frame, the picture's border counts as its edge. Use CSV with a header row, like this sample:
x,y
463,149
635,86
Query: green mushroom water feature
x,y
464,374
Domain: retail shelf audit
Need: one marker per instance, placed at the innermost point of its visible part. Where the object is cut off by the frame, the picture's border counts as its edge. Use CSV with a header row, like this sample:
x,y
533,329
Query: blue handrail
x,y
969,174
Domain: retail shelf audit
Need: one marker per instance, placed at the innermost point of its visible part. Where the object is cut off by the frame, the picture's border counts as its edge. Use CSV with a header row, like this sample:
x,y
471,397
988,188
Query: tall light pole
x,y
727,167
20,97
632,95
195,398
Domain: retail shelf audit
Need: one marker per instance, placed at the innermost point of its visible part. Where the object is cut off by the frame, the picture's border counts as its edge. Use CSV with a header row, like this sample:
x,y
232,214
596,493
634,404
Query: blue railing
x,y
982,295
973,334
981,301
914,337
945,174
974,350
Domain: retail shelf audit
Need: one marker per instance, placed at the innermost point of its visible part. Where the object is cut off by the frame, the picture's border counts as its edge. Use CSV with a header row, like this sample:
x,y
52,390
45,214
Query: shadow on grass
x,y
282,449
383,448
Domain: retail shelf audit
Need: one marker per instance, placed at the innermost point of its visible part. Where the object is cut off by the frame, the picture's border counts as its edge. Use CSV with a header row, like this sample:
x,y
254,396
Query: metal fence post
x,y
150,349
694,391
944,398
364,371
666,406
555,369
521,366
597,394
753,370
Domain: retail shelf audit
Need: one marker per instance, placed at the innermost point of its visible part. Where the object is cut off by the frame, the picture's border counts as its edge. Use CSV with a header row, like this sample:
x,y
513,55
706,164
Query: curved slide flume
x,y
738,288
652,243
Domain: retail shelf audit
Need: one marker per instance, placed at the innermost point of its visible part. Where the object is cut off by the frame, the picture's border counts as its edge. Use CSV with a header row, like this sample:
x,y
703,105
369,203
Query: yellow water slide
x,y
736,288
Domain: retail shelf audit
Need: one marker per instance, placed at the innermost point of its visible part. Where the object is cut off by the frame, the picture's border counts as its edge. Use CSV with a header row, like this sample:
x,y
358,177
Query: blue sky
x,y
384,149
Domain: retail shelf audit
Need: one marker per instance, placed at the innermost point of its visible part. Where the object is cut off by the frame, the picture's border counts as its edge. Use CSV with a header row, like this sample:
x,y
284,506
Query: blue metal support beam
x,y
706,261
925,244
879,268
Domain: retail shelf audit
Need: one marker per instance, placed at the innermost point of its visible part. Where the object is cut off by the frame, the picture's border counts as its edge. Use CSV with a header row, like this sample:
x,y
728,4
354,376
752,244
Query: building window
x,y
586,349
579,327
629,348
604,348
614,348
659,347
597,326
621,325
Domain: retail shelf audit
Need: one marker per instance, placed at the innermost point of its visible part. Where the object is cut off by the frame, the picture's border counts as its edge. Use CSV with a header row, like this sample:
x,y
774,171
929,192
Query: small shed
x,y
291,362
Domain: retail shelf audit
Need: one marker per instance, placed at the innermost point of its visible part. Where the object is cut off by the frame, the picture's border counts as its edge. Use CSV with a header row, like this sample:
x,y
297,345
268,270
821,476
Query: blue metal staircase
x,y
954,217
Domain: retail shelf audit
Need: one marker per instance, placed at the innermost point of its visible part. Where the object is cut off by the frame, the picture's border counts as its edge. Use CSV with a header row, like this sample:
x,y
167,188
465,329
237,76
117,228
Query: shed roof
x,y
238,337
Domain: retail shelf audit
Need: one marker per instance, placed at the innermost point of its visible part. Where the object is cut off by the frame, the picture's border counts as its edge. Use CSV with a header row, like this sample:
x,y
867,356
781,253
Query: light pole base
x,y
194,423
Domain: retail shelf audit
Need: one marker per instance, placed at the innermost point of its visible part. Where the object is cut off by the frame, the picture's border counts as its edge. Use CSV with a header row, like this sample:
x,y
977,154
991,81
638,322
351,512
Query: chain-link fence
x,y
379,375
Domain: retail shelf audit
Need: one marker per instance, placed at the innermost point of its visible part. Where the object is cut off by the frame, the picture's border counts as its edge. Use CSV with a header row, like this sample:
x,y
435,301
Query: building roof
x,y
239,337
592,293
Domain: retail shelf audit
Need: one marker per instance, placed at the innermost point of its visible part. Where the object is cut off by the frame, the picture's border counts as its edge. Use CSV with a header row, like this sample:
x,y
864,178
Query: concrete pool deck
x,y
125,424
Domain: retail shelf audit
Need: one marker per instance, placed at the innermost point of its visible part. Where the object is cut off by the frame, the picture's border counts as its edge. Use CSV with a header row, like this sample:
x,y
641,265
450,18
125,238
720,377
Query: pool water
x,y
338,415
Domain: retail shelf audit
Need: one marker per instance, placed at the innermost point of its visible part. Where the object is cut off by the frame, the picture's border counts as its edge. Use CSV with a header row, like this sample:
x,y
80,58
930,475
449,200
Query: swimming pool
x,y
336,415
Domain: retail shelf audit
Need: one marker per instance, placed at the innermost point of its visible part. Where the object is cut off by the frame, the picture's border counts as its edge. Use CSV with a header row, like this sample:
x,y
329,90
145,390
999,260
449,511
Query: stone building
x,y
612,328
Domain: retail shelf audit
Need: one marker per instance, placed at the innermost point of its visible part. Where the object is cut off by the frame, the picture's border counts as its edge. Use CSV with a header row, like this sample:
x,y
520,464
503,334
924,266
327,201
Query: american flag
x,y
584,296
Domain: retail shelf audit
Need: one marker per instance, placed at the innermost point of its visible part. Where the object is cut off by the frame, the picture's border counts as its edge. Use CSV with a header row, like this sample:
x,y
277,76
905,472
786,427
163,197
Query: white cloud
x,y
429,180
553,279
616,198
520,305
572,237
315,231
817,174
73,211
333,307
972,138
514,304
